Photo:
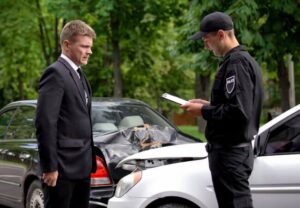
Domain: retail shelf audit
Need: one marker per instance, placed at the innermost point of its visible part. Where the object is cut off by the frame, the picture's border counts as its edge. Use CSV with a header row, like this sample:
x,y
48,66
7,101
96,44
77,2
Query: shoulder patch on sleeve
x,y
230,84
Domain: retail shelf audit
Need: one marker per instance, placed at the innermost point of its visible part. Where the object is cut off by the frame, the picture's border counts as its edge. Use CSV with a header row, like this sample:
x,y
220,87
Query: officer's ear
x,y
221,34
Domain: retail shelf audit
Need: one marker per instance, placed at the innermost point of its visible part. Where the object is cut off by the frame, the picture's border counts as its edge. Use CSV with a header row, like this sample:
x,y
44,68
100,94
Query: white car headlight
x,y
126,183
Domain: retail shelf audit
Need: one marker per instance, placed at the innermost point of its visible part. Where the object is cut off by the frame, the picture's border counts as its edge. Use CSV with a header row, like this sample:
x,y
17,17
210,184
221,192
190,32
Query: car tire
x,y
35,195
173,205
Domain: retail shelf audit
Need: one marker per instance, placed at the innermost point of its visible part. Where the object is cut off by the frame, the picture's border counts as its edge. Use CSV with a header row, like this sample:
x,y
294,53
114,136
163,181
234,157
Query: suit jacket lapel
x,y
76,80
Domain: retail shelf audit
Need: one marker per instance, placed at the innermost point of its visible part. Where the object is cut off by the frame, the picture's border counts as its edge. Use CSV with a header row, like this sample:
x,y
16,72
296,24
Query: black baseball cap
x,y
213,22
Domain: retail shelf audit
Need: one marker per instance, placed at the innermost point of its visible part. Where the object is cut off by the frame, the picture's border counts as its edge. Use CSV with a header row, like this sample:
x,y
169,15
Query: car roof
x,y
21,102
115,101
97,101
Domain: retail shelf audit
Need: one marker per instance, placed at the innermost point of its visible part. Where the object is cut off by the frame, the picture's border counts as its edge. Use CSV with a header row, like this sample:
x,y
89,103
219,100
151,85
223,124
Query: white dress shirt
x,y
73,65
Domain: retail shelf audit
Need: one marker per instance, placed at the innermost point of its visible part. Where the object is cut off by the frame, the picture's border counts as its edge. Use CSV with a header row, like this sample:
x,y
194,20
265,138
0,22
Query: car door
x,y
17,150
275,180
5,119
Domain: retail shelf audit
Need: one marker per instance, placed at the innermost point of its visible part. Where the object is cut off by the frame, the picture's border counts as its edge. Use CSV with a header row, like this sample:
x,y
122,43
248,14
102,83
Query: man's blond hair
x,y
75,28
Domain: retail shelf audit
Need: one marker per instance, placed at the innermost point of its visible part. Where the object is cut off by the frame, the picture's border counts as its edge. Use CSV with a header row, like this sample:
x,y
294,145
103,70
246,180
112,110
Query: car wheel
x,y
173,205
35,195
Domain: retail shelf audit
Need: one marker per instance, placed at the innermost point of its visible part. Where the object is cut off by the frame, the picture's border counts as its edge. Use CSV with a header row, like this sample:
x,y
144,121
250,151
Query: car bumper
x,y
128,202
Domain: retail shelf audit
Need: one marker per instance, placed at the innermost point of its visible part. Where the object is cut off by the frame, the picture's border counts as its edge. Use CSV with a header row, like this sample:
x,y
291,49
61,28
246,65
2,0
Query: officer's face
x,y
212,43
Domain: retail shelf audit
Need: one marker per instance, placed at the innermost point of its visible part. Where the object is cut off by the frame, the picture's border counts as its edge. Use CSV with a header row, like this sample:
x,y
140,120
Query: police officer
x,y
233,113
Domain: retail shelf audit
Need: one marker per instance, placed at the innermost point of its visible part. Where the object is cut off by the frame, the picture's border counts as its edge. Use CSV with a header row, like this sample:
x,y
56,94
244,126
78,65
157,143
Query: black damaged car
x,y
121,127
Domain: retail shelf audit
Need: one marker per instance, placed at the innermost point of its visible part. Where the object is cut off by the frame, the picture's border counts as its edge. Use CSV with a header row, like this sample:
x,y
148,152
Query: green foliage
x,y
280,28
19,51
143,36
193,131
156,54
269,29
243,13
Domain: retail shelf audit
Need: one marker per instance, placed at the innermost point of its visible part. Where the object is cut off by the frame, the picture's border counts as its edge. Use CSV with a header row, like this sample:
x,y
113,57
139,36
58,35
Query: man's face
x,y
212,43
79,49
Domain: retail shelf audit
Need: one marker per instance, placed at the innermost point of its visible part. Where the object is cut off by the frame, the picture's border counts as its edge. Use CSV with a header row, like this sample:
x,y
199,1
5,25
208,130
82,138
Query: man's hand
x,y
50,178
194,106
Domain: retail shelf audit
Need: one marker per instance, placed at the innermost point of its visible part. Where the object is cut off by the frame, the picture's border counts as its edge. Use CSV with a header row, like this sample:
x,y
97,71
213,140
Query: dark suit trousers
x,y
67,194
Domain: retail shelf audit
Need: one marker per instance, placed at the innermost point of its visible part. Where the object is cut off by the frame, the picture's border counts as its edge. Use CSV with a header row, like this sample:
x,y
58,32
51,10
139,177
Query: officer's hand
x,y
50,178
195,108
204,102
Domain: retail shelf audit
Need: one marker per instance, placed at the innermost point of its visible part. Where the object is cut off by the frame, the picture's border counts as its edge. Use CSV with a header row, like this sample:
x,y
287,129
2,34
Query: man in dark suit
x,y
63,122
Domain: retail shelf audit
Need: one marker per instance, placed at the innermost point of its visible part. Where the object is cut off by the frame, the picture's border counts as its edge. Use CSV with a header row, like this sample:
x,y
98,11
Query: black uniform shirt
x,y
236,100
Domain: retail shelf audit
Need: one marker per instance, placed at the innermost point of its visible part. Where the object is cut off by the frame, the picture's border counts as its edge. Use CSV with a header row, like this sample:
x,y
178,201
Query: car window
x,y
113,118
285,138
148,116
5,119
22,124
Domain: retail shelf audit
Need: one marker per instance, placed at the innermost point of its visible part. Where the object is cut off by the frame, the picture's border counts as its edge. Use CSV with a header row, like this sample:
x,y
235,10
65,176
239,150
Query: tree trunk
x,y
57,47
45,41
202,91
20,85
284,84
21,89
202,86
116,56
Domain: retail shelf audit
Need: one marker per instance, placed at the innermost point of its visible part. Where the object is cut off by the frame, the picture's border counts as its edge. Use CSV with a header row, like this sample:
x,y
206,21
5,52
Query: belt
x,y
209,147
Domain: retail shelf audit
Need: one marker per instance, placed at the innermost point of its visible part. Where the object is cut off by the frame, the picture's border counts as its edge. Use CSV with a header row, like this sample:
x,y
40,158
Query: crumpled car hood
x,y
193,150
118,145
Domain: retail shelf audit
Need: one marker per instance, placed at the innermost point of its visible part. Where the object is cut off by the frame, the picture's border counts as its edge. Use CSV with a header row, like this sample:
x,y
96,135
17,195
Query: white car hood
x,y
192,150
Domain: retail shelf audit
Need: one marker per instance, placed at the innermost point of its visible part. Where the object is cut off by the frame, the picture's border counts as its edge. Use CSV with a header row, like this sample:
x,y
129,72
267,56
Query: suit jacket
x,y
63,123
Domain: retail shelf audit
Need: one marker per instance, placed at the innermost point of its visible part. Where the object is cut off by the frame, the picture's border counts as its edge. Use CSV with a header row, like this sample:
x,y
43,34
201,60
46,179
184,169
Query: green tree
x,y
142,47
131,40
18,51
279,34
131,30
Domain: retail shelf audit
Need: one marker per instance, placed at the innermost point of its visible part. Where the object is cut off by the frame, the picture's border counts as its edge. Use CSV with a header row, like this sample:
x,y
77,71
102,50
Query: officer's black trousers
x,y
230,169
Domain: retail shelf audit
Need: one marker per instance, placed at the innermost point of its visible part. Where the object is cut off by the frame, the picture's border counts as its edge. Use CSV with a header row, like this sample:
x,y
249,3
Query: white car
x,y
179,177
